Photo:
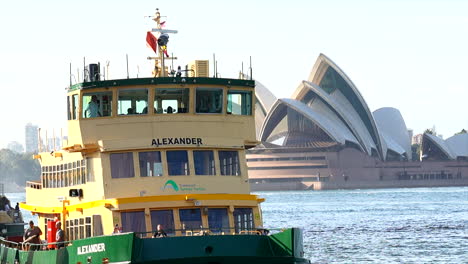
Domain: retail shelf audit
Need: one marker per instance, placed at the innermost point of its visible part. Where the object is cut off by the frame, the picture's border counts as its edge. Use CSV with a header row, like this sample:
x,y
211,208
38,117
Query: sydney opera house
x,y
326,137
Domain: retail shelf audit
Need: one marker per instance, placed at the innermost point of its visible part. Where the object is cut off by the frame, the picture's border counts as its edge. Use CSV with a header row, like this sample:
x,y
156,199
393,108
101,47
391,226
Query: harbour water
x,y
421,225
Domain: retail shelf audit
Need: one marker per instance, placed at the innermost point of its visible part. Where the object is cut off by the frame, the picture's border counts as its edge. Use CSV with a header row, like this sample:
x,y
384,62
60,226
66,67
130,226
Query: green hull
x,y
281,248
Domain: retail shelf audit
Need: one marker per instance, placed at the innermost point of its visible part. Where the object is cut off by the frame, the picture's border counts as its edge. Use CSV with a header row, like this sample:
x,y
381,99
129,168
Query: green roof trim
x,y
163,80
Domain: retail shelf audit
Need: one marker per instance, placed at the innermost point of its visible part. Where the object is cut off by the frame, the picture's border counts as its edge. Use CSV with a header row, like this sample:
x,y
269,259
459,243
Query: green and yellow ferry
x,y
165,151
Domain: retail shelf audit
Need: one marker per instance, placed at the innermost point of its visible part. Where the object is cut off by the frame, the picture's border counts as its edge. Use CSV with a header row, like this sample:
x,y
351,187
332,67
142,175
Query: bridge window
x,y
229,163
133,102
218,220
204,162
239,102
177,162
150,164
122,165
164,218
97,104
171,101
209,100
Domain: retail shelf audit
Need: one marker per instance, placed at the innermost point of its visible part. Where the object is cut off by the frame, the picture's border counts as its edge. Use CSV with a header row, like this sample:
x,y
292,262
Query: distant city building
x,y
50,146
410,135
31,138
417,139
15,146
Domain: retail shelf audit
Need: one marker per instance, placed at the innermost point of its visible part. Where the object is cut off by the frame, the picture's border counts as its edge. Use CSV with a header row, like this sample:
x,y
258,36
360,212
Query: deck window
x,y
122,165
204,162
133,221
133,102
171,101
150,164
177,162
209,100
164,218
229,163
239,102
218,220
243,219
190,219
97,104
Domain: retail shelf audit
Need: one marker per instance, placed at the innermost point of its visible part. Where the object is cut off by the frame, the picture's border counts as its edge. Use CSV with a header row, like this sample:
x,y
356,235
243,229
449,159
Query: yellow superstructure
x,y
133,165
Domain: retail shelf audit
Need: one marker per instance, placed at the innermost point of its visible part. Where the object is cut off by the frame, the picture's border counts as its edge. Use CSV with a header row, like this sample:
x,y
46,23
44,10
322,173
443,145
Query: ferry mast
x,y
162,39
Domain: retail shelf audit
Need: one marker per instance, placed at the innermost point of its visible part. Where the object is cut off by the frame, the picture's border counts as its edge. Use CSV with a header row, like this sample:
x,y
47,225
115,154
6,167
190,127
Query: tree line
x,y
17,168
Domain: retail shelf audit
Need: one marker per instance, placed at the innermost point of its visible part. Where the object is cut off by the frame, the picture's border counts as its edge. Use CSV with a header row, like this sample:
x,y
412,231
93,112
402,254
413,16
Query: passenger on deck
x,y
179,72
262,231
159,232
17,207
32,236
116,229
59,235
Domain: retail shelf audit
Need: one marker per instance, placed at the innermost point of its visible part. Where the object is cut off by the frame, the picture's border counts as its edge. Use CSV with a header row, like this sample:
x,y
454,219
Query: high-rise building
x,y
31,138
410,134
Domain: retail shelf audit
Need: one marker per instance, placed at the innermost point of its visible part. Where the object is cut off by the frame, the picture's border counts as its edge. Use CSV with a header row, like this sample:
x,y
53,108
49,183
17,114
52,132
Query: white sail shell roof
x,y
458,145
320,115
265,100
439,142
393,127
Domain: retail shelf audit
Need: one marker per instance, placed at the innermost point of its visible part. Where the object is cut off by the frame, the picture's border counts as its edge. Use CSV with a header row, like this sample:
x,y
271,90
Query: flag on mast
x,y
152,41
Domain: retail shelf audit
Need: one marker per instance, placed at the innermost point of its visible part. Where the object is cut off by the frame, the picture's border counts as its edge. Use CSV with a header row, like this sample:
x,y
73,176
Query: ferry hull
x,y
281,248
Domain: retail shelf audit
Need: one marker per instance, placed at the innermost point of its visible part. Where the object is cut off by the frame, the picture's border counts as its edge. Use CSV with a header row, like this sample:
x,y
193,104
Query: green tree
x,y
18,167
430,131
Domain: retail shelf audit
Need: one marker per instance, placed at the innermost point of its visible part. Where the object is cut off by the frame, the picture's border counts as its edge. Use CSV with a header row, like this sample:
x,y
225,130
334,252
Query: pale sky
x,y
411,55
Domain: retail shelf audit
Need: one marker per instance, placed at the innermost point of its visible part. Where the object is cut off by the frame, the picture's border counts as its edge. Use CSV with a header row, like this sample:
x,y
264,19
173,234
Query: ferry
x,y
154,171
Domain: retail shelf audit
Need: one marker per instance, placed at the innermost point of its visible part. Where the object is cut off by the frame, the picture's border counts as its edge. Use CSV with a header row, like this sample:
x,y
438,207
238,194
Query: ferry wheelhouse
x,y
168,150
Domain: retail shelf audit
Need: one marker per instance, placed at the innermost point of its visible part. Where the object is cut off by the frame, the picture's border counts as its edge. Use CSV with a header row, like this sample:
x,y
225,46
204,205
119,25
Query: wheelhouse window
x,y
97,104
239,102
122,165
243,219
177,162
209,100
133,102
150,164
171,101
229,163
204,162
164,218
190,219
218,220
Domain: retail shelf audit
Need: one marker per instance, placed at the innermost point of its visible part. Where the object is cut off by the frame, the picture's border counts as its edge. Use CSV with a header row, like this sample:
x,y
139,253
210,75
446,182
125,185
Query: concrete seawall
x,y
288,186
